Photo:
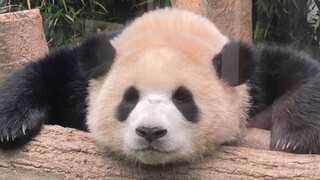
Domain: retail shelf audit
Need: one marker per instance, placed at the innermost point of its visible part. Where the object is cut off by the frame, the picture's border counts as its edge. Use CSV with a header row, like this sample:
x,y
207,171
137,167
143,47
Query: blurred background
x,y
293,22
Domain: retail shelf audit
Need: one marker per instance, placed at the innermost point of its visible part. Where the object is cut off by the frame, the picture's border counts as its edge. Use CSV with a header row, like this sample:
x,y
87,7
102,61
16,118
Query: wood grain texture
x,y
64,153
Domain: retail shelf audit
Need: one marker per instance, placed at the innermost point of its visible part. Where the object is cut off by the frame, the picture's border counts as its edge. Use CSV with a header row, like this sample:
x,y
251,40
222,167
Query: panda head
x,y
162,100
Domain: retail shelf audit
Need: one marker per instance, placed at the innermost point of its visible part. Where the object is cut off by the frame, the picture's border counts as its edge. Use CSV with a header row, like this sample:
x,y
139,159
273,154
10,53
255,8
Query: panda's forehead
x,y
164,60
176,22
158,69
163,69
183,42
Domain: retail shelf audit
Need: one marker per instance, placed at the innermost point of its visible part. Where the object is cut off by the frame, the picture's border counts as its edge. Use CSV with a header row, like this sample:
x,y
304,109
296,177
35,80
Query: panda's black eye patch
x,y
129,101
182,95
182,98
131,95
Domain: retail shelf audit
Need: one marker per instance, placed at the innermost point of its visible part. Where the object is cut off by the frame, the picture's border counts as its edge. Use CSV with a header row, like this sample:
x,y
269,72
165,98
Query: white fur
x,y
156,110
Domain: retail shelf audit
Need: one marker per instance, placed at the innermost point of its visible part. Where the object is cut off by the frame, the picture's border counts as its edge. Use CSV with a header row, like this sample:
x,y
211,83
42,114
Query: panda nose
x,y
151,134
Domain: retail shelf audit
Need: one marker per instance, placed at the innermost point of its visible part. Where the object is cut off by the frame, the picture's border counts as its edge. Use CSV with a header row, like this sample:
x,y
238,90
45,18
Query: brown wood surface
x,y
21,39
64,153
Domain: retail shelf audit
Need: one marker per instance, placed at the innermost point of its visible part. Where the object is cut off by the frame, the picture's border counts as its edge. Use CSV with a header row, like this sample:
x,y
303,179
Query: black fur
x,y
51,90
96,54
241,57
287,82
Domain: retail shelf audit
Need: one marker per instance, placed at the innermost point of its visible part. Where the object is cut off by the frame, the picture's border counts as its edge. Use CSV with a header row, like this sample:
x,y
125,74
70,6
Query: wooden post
x,y
21,39
232,17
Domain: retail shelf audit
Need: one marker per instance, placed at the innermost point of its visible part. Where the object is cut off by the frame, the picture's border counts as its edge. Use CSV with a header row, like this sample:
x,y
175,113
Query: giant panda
x,y
169,95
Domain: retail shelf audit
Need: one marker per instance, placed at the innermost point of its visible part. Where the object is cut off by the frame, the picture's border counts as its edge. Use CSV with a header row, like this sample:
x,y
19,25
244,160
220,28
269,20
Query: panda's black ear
x,y
235,62
96,54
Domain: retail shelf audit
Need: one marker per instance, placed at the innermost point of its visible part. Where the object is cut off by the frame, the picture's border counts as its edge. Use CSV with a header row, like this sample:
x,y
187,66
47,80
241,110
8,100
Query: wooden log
x,y
21,39
64,153
232,17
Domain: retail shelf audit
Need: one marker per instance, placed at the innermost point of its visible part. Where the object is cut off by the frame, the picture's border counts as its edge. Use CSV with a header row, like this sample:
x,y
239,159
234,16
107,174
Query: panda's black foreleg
x,y
296,120
23,107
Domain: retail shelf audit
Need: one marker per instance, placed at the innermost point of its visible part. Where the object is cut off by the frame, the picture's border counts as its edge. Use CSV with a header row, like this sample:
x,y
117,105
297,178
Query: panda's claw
x,y
13,137
277,143
15,133
288,144
24,128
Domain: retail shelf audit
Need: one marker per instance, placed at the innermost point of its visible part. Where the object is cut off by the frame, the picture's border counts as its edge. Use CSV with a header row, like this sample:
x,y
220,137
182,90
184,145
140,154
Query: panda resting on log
x,y
169,95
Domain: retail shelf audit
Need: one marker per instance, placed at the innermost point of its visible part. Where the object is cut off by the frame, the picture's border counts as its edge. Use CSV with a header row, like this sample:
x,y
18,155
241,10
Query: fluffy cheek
x,y
221,122
107,132
105,129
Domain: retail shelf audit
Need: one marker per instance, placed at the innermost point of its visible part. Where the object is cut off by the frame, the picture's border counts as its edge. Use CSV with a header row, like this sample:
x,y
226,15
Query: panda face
x,y
152,118
162,100
162,109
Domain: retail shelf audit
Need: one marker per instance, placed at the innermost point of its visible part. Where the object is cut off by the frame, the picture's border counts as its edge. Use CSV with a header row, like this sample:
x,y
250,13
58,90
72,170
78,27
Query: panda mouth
x,y
151,149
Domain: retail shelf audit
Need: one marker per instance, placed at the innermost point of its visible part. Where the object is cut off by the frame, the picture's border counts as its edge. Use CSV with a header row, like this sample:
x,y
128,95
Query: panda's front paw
x,y
304,141
17,129
287,145
11,132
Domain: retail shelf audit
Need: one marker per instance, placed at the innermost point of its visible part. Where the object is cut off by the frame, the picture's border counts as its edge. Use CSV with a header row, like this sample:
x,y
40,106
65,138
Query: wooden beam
x,y
64,153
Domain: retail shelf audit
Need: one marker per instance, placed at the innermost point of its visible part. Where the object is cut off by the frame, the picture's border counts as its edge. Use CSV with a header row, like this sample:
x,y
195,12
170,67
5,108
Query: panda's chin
x,y
151,149
154,157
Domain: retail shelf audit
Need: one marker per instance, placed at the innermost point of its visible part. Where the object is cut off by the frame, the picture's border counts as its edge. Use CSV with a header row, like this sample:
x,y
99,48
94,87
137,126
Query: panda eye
x,y
183,100
128,103
131,95
182,95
